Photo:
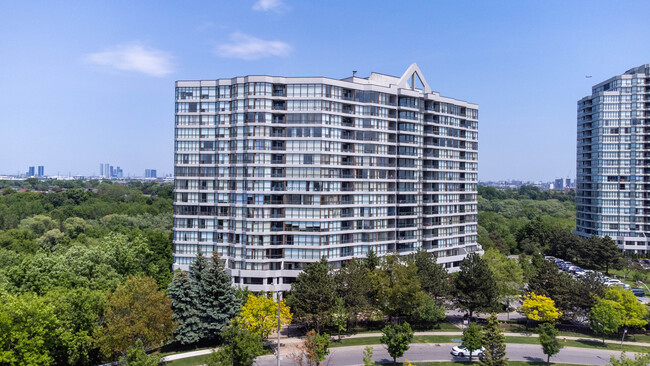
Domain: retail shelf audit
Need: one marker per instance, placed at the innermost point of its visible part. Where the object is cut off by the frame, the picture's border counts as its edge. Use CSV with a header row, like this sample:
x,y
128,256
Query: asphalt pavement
x,y
351,356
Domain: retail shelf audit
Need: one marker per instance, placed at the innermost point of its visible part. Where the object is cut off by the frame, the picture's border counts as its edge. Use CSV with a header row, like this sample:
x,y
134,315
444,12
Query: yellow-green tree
x,y
539,308
260,315
633,313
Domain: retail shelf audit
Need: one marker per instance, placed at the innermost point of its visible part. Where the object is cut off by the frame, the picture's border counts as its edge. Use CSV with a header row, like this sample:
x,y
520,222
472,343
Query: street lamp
x,y
279,324
624,333
646,286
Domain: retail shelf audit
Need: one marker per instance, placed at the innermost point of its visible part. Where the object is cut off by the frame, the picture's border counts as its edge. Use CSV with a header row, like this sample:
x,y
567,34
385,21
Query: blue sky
x,y
85,82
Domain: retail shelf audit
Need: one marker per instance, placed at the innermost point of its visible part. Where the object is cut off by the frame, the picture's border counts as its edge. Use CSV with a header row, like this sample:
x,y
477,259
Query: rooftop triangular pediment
x,y
408,80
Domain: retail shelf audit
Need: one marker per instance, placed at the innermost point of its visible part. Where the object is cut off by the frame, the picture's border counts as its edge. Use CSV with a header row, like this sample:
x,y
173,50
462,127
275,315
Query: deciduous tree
x,y
397,339
137,356
548,339
539,308
340,316
472,339
397,287
240,347
507,273
314,350
605,317
28,330
633,313
136,310
260,315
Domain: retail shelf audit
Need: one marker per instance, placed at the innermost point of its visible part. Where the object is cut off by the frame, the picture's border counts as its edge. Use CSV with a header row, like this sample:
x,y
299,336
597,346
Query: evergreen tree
x,y
217,299
312,295
203,301
434,279
372,261
183,295
494,343
476,289
605,254
352,285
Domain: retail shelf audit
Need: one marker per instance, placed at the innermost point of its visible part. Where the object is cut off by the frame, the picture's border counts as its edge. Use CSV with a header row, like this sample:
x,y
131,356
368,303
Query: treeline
x,y
71,253
516,220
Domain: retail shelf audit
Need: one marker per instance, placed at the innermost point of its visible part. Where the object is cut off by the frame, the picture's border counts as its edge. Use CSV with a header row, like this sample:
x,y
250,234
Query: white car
x,y
613,282
462,351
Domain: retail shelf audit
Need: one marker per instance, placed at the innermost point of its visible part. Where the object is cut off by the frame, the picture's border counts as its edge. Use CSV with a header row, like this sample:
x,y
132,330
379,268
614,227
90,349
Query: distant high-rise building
x,y
118,173
613,186
41,171
567,183
30,171
150,173
287,170
559,184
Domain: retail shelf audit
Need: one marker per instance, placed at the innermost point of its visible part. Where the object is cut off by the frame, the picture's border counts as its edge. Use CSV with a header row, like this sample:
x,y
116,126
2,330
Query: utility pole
x,y
279,324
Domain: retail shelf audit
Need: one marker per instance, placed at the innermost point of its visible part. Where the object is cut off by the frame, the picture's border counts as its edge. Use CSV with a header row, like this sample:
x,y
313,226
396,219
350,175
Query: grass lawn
x,y
442,327
192,361
521,328
519,340
620,274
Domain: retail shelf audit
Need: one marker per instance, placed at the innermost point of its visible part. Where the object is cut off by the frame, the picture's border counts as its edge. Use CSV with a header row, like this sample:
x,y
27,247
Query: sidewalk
x,y
531,335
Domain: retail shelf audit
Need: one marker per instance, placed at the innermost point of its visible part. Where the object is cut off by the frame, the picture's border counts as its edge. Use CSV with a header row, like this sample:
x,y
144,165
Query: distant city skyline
x,y
104,92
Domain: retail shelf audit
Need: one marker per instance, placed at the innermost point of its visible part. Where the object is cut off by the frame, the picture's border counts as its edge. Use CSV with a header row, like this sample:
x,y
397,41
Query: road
x,y
349,356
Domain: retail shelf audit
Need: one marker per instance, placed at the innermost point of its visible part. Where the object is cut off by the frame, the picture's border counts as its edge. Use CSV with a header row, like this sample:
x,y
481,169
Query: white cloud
x,y
247,47
134,57
266,5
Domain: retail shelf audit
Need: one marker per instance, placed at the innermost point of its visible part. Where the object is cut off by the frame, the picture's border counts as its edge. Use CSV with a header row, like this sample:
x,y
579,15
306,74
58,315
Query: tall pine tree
x,y
494,343
433,276
476,289
217,298
203,301
183,295
312,295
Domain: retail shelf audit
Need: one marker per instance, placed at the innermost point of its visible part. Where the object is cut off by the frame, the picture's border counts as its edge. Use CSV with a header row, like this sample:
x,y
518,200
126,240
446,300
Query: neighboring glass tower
x,y
273,173
613,160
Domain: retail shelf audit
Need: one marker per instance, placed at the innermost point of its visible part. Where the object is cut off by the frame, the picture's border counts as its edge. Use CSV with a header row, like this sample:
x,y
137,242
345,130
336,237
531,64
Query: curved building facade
x,y
273,173
613,161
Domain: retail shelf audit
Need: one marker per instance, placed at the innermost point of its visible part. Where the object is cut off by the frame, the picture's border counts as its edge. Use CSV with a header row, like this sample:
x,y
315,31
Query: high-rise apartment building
x,y
150,173
273,173
30,171
41,171
613,160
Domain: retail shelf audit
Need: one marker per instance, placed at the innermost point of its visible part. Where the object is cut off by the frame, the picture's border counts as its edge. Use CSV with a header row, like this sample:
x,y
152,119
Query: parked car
x,y
638,292
580,272
613,282
462,351
573,269
566,266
